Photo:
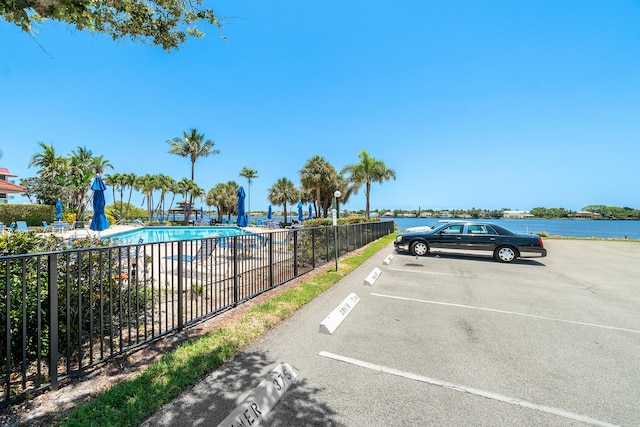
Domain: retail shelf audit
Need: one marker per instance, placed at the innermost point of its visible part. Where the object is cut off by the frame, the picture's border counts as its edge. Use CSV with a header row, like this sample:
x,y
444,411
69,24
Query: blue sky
x,y
486,104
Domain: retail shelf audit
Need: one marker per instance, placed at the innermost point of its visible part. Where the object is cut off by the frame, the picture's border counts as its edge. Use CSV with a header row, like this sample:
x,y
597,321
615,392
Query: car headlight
x,y
399,239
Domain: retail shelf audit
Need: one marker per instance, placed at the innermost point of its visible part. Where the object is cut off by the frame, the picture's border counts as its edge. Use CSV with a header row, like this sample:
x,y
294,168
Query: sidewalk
x,y
296,342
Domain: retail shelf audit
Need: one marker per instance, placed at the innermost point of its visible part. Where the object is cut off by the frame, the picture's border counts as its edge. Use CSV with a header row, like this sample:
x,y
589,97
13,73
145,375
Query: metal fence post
x,y
295,253
271,277
180,288
335,243
235,270
53,320
313,248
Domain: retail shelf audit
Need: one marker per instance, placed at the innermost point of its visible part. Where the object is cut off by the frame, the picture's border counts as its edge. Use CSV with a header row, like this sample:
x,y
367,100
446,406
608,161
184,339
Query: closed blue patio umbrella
x,y
310,212
299,211
269,213
99,221
59,209
242,217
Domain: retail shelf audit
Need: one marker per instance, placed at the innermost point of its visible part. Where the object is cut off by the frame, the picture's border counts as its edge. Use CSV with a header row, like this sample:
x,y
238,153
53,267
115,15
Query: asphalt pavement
x,y
450,340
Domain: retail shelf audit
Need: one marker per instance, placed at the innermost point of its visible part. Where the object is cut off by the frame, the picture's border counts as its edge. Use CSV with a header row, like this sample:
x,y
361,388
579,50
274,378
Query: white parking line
x,y
512,313
470,390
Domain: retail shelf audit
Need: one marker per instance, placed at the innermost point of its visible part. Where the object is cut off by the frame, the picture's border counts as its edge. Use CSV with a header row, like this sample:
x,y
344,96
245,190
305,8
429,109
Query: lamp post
x,y
336,196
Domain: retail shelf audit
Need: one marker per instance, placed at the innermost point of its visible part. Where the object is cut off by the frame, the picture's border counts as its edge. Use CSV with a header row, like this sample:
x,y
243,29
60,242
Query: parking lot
x,y
453,340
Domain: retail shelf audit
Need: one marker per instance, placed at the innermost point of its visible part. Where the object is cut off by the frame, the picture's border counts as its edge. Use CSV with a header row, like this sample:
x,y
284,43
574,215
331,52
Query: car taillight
x,y
540,242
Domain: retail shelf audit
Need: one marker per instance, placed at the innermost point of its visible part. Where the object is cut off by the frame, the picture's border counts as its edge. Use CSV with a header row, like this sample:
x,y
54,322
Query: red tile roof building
x,y
7,187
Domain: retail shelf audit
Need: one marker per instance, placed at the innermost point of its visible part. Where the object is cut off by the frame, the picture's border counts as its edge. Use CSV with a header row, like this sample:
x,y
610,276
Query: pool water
x,y
169,234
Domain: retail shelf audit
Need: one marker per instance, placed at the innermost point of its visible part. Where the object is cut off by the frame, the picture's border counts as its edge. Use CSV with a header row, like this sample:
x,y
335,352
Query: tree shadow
x,y
211,400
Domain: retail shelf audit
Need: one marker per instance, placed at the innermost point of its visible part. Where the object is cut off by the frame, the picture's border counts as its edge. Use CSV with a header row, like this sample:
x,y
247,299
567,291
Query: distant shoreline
x,y
436,218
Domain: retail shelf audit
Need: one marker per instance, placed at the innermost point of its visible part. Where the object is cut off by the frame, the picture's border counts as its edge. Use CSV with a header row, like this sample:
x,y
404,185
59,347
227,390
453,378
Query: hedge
x,y
32,214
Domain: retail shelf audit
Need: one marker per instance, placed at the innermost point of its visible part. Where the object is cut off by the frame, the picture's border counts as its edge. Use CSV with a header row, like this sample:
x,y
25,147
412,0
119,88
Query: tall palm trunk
x,y
367,192
126,215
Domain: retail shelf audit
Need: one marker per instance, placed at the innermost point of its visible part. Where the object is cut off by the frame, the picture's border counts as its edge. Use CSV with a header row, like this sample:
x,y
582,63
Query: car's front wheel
x,y
419,248
505,254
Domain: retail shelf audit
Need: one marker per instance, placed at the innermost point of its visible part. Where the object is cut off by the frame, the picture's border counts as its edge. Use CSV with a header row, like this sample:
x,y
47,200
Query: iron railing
x,y
63,312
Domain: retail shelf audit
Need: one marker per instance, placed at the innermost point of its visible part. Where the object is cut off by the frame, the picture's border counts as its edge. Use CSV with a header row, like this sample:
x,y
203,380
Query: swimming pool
x,y
169,234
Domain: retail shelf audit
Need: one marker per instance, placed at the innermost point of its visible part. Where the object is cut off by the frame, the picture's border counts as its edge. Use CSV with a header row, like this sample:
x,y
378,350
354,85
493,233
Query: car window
x,y
453,229
491,231
480,229
476,229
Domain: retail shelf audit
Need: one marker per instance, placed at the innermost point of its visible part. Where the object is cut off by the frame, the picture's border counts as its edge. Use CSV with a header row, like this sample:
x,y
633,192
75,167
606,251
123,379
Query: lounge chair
x,y
288,238
79,226
60,225
204,252
126,252
1,227
21,226
47,226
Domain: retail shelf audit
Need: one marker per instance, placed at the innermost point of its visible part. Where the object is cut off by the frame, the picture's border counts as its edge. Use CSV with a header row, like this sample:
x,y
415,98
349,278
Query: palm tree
x,y
49,186
190,190
369,170
230,189
175,190
146,184
215,197
99,164
80,176
128,180
164,183
115,181
250,174
282,192
192,146
48,161
317,174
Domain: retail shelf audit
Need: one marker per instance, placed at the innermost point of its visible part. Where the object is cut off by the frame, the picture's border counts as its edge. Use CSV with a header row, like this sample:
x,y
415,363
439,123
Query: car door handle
x,y
458,238
493,239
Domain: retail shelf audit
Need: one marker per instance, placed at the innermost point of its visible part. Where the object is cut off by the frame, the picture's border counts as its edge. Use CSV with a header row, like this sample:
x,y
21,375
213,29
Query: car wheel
x,y
419,248
505,254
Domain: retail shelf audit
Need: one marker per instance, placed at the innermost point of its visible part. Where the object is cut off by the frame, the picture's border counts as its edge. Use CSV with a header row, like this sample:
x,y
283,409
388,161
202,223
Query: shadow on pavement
x,y
210,401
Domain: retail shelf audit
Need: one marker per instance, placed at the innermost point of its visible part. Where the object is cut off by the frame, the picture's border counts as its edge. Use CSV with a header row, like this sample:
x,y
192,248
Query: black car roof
x,y
499,228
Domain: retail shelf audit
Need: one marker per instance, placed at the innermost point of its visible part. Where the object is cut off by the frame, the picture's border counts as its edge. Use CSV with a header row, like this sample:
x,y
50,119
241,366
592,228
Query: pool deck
x,y
163,270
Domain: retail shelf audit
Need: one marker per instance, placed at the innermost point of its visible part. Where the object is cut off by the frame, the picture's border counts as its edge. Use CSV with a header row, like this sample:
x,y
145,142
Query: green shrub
x,y
327,222
32,214
91,285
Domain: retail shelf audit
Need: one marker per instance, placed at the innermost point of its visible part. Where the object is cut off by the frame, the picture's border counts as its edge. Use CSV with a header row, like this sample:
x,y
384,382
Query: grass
x,y
129,402
599,239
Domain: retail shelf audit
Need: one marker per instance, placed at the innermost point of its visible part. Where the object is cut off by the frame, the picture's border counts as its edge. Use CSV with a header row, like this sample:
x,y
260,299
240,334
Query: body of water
x,y
612,229
616,229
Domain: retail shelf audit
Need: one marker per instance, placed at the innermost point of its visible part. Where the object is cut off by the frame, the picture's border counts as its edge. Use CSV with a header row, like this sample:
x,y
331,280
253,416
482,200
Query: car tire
x,y
505,254
419,248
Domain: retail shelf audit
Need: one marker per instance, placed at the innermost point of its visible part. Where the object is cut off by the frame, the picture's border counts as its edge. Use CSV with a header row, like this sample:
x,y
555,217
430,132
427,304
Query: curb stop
x,y
373,276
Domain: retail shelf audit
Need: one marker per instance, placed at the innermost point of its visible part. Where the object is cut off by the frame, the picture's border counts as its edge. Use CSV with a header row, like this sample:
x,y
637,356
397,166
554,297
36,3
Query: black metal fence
x,y
63,312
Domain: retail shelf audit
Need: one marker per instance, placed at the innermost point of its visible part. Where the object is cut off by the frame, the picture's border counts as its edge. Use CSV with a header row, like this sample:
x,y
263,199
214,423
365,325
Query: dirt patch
x,y
47,407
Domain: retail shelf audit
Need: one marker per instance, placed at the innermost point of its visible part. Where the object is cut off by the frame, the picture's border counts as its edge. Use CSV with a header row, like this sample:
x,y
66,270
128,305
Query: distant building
x,y
517,214
7,187
426,214
587,215
444,214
